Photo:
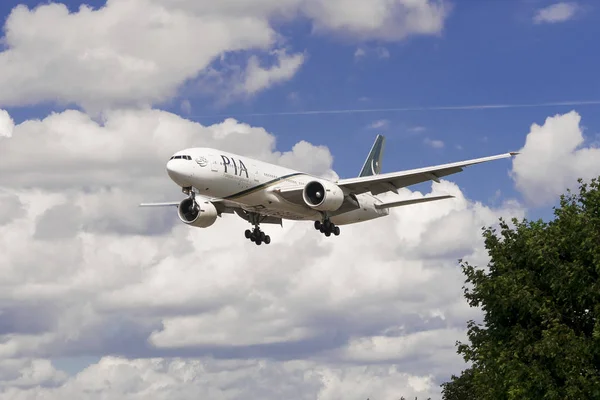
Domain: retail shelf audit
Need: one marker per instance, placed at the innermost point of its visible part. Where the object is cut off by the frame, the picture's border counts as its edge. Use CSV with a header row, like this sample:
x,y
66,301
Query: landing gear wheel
x,y
318,225
267,239
336,230
248,234
327,233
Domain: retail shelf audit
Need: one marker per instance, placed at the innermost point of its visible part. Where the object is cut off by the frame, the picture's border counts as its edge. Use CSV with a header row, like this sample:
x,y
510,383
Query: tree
x,y
460,387
541,301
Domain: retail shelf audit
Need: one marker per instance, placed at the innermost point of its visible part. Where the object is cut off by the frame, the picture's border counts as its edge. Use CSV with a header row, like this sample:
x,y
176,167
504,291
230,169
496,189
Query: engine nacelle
x,y
200,215
323,195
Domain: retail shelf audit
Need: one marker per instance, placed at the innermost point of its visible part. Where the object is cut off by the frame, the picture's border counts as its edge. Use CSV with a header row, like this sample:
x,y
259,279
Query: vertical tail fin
x,y
372,165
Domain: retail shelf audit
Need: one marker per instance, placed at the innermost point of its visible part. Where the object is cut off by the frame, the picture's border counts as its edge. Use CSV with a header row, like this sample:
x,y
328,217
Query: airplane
x,y
218,182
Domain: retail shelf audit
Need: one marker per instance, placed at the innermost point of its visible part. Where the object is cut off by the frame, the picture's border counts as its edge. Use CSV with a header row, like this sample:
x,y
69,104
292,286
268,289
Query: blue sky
x,y
488,53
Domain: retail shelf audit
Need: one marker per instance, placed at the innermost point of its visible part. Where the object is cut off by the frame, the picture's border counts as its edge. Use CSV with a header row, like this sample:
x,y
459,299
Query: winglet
x,y
514,153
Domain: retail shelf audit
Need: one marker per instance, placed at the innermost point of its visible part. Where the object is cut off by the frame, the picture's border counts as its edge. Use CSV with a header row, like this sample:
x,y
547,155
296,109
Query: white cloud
x,y
436,144
554,13
10,207
80,152
258,78
7,125
387,20
140,52
185,378
379,124
553,158
135,52
82,266
22,374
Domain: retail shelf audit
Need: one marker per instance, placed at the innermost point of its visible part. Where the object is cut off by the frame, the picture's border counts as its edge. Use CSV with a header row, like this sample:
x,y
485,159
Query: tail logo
x,y
375,167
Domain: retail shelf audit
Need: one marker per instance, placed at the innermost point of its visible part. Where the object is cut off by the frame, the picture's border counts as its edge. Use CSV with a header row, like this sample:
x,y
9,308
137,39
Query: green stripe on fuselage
x,y
258,187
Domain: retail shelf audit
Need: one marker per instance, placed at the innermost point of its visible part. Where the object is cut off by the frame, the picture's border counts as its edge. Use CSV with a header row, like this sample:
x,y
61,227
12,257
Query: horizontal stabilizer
x,y
160,204
412,201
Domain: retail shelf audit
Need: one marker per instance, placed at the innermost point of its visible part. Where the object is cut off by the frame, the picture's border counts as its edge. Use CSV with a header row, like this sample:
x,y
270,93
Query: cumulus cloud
x,y
559,12
100,276
377,19
140,52
555,155
81,152
22,375
10,207
6,124
180,378
257,78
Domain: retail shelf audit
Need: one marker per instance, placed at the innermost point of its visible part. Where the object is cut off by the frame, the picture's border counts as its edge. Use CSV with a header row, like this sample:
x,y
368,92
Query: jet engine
x,y
323,195
200,215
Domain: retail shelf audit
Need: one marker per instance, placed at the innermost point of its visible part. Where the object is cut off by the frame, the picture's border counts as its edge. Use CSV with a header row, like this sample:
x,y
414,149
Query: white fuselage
x,y
249,183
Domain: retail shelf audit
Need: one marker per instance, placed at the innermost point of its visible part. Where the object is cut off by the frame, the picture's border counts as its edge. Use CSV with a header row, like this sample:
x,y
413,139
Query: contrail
x,y
405,109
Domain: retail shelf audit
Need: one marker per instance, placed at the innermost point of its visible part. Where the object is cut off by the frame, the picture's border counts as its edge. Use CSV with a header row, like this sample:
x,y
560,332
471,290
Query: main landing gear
x,y
327,227
257,236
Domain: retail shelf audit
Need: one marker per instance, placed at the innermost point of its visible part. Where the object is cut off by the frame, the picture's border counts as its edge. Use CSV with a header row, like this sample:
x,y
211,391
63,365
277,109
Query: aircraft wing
x,y
393,181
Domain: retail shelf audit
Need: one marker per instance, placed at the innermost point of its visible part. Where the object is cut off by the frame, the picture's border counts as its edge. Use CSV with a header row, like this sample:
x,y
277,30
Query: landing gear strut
x,y
327,227
192,196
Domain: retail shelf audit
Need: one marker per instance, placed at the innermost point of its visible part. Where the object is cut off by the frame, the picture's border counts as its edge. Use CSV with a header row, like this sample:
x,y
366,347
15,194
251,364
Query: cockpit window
x,y
181,158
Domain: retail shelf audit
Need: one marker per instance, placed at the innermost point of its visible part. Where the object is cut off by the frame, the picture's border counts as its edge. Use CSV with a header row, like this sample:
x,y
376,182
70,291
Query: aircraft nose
x,y
176,171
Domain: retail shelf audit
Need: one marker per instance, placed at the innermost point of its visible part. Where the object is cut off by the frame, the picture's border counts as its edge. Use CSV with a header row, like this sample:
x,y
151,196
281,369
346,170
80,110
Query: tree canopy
x,y
540,295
